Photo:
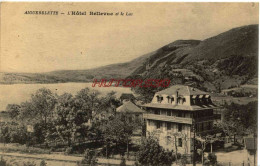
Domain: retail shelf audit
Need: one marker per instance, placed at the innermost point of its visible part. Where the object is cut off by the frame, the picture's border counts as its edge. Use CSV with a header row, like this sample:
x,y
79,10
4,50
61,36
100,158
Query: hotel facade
x,y
175,112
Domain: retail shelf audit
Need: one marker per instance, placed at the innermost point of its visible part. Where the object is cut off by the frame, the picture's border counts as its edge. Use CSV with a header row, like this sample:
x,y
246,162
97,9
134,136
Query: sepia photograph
x,y
129,83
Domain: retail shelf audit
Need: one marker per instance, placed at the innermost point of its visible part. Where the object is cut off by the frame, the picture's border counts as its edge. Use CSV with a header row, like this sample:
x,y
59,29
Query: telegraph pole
x,y
255,148
194,149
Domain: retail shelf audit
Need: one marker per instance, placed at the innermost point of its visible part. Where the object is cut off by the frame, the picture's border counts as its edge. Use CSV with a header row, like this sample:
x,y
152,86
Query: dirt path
x,y
55,158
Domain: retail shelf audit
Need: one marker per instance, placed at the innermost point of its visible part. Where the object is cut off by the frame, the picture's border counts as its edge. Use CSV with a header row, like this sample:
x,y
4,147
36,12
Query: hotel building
x,y
175,112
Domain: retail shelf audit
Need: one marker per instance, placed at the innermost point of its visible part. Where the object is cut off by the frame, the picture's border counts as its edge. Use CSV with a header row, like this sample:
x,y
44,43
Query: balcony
x,y
167,118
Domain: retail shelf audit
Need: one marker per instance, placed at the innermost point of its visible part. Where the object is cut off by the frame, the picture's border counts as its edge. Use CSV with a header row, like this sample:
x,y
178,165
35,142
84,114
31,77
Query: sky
x,y
43,43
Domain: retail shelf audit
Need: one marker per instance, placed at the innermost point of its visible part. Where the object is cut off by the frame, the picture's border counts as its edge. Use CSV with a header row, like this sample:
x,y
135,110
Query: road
x,y
59,159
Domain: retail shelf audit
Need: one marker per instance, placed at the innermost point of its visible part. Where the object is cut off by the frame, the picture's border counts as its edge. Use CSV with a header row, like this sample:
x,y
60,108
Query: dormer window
x,y
159,98
168,98
193,100
172,99
179,100
200,100
183,100
208,99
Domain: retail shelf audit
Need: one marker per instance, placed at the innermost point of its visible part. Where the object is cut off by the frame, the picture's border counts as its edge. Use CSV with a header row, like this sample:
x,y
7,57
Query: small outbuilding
x,y
131,109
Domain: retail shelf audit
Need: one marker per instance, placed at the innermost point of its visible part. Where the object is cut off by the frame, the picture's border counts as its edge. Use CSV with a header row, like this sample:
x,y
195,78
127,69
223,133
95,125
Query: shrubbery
x,y
43,163
212,158
151,153
3,162
90,158
68,150
123,162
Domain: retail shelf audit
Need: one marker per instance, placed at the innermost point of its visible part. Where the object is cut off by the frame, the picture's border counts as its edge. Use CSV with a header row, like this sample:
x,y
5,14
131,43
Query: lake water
x,y
17,93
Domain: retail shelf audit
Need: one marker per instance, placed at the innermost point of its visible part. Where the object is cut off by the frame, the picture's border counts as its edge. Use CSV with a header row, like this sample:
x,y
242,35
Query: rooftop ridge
x,y
182,89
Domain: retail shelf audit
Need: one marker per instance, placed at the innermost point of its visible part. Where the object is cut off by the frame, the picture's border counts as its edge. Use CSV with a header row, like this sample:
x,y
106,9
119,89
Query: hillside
x,y
225,61
220,62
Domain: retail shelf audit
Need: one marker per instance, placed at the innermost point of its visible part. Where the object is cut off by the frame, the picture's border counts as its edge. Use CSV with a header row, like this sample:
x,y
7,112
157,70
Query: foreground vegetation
x,y
88,124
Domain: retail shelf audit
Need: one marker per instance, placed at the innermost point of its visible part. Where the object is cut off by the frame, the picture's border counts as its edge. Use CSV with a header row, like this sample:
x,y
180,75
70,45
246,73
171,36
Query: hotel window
x,y
179,127
178,100
197,127
168,112
159,98
157,112
180,142
183,100
209,126
158,124
168,98
193,99
179,114
172,99
169,126
200,127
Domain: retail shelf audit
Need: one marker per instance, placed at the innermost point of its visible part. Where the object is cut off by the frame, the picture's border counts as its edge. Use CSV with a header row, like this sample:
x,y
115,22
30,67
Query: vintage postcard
x,y
129,83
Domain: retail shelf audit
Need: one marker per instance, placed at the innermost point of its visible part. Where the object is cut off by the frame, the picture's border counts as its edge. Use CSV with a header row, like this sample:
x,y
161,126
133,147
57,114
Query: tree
x,y
229,128
85,104
203,142
13,110
243,116
43,102
151,153
106,106
119,130
64,117
239,119
173,137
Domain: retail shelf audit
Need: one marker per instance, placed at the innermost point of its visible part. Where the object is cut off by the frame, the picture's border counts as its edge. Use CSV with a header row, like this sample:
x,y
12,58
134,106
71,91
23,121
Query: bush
x,y
43,163
28,163
3,162
151,153
212,158
90,158
136,163
123,162
68,151
184,160
179,156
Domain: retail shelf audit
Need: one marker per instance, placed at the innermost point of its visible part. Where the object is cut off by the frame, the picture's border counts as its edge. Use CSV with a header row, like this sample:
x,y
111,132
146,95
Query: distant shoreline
x,y
58,82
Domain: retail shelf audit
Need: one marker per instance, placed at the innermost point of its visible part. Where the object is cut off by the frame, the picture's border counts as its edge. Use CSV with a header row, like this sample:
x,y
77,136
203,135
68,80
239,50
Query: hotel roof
x,y
182,90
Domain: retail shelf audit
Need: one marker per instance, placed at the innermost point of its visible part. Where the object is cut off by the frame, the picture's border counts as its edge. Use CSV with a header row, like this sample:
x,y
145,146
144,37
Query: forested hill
x,y
220,62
